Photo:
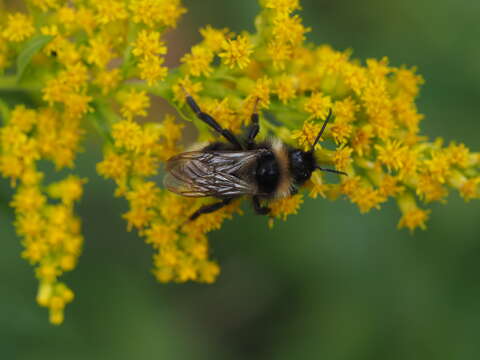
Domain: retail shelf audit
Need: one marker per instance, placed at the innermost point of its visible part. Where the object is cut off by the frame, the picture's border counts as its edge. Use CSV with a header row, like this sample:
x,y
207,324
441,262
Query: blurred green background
x,y
329,283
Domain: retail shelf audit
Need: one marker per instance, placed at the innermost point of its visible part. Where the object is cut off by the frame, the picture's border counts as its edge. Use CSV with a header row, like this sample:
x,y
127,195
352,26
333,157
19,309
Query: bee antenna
x,y
331,171
322,130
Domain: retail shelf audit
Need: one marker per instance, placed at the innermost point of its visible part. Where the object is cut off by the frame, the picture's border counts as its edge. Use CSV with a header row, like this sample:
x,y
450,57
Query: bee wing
x,y
211,173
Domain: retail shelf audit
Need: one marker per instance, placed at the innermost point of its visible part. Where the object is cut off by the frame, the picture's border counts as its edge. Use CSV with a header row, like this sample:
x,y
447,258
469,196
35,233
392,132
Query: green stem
x,y
4,111
9,83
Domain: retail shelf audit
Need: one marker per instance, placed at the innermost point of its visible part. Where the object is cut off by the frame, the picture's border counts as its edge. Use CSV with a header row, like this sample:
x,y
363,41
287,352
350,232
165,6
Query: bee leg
x,y
227,134
259,209
254,128
206,209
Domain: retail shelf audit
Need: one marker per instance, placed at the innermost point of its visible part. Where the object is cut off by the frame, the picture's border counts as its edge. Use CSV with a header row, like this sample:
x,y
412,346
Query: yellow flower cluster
x,y
97,65
45,216
181,247
75,60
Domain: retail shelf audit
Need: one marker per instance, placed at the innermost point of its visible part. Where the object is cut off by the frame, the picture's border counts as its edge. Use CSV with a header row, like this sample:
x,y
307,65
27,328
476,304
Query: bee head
x,y
303,164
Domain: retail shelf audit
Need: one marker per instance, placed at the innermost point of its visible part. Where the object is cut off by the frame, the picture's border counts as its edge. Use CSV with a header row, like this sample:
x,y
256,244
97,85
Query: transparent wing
x,y
211,173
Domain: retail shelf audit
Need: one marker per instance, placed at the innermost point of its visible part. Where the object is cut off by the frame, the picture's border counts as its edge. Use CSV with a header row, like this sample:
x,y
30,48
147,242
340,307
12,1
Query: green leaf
x,y
31,48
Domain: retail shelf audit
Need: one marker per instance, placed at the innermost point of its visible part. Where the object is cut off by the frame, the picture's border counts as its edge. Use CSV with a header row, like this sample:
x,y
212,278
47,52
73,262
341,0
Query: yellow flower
x,y
160,235
282,5
148,44
186,85
152,71
99,52
68,190
114,166
413,219
285,88
289,29
134,103
307,135
198,61
213,38
281,208
391,154
236,52
110,10
223,113
280,53
430,189
318,105
18,28
469,189
108,80
340,131
343,158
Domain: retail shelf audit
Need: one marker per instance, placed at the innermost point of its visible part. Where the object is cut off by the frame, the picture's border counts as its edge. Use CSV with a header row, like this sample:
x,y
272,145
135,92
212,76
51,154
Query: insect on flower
x,y
227,170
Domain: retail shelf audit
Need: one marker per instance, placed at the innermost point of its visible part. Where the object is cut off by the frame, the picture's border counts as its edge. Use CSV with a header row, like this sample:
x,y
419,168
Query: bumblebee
x,y
227,170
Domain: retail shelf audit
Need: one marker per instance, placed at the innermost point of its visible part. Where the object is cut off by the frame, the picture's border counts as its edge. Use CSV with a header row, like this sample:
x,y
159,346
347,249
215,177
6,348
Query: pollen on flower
x,y
99,52
152,71
148,44
134,103
186,85
214,38
198,61
108,80
289,29
18,28
342,158
110,10
415,218
285,88
470,189
307,135
282,5
281,208
318,105
236,52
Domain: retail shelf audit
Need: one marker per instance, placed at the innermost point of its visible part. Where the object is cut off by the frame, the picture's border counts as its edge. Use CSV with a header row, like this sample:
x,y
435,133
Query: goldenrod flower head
x,y
187,85
148,44
318,105
413,219
343,157
236,52
152,70
306,137
198,61
280,53
99,52
282,5
281,208
289,29
285,88
134,103
110,10
108,80
18,28
470,189
213,38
